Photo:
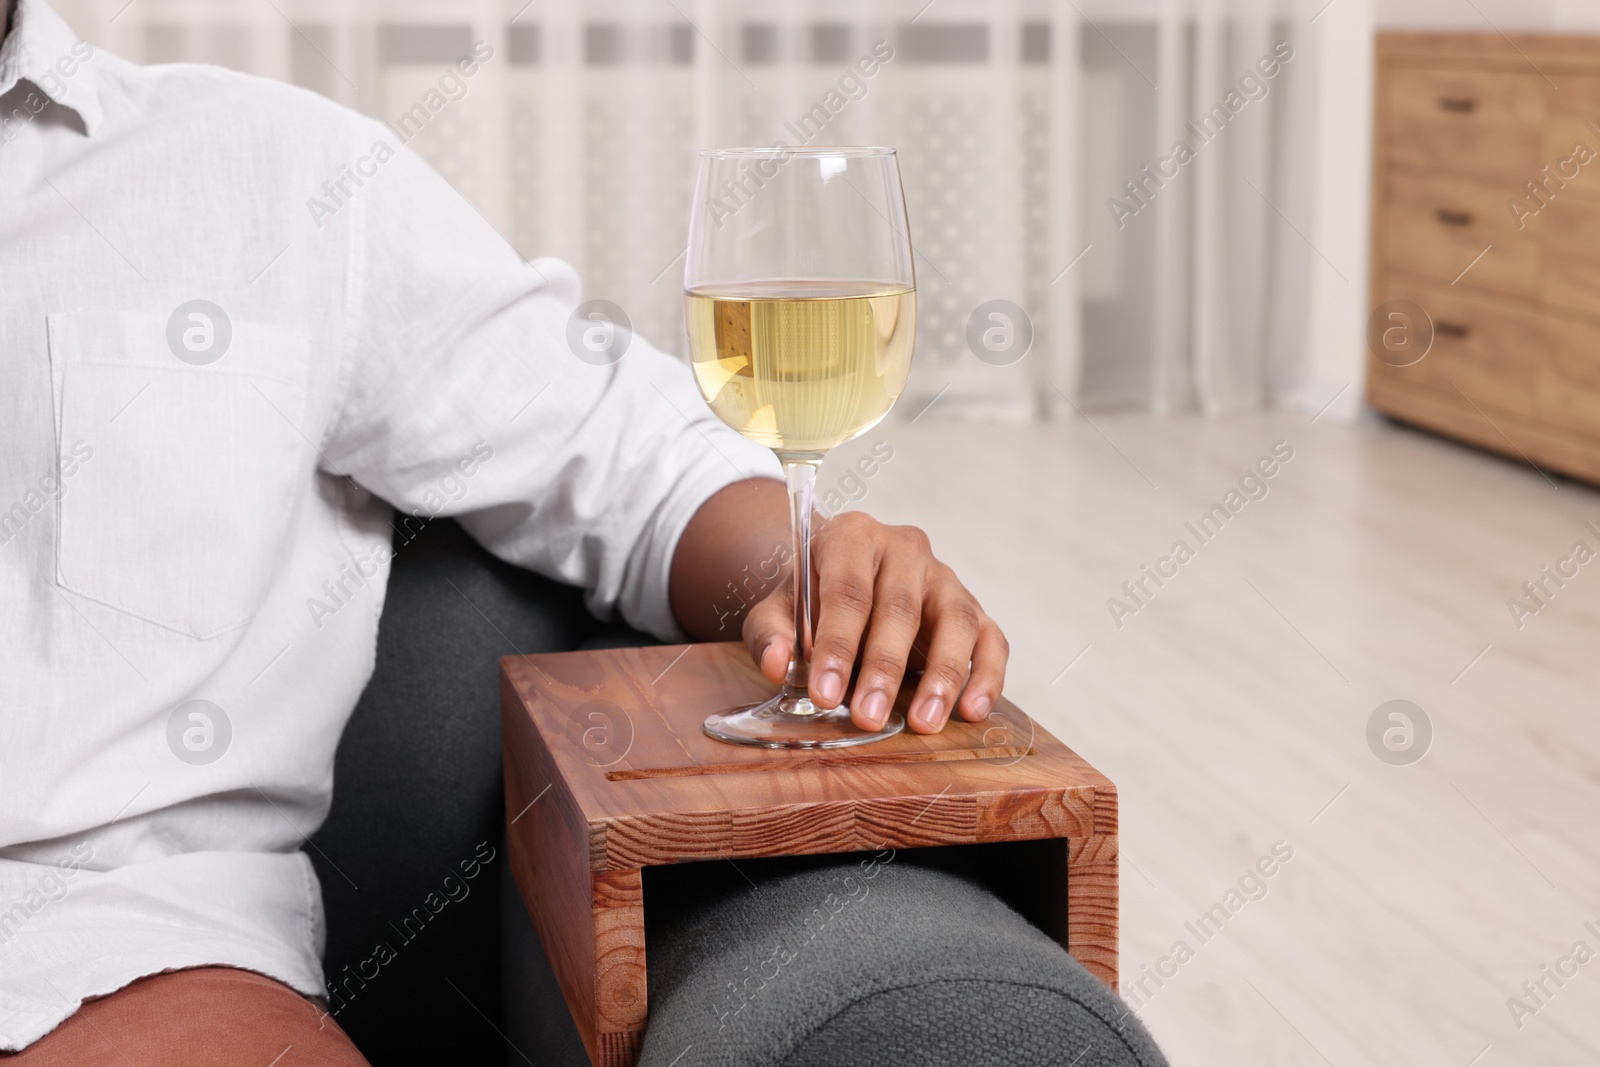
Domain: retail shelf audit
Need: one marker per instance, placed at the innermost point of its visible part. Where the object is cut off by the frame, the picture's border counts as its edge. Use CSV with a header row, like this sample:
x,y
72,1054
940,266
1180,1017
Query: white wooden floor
x,y
1232,714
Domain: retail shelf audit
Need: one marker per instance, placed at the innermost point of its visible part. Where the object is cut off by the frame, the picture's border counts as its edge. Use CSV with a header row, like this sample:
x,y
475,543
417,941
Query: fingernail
x,y
931,713
875,708
830,686
981,706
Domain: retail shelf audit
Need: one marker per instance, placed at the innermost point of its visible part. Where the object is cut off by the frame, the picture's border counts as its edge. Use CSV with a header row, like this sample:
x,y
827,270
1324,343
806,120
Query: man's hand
x,y
878,595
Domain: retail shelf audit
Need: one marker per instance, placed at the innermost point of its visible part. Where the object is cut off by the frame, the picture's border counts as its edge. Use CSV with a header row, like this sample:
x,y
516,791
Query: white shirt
x,y
195,505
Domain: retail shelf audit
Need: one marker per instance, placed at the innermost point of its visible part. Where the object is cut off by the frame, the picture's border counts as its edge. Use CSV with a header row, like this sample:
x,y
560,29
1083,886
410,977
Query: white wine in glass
x,y
801,307
802,366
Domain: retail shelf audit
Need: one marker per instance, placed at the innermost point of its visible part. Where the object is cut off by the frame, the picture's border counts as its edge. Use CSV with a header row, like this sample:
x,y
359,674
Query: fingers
x,y
846,557
988,675
879,594
955,625
769,632
896,620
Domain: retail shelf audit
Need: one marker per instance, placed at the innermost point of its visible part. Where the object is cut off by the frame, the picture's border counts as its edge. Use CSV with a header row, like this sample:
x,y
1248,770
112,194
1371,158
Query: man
x,y
212,399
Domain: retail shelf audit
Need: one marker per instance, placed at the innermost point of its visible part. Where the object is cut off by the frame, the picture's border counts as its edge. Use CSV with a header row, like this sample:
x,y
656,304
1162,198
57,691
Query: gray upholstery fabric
x,y
896,964
417,789
970,1022
538,1027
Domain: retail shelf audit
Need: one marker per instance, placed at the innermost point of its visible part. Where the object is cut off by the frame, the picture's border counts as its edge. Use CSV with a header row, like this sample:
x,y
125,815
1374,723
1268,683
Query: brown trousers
x,y
206,1017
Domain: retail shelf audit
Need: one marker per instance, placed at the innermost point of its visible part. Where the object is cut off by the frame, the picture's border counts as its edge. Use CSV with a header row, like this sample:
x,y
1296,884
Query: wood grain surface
x,y
608,772
1486,212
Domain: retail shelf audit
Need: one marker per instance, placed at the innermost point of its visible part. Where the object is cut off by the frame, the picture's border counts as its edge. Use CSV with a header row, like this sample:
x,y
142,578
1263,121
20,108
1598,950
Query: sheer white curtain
x,y
1232,273
1230,279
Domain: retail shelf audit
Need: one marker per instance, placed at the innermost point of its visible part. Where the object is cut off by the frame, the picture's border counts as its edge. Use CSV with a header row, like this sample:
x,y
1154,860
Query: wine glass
x,y
801,306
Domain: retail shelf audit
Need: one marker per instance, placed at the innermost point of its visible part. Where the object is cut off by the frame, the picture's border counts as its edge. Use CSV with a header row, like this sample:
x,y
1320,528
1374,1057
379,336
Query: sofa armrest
x,y
878,959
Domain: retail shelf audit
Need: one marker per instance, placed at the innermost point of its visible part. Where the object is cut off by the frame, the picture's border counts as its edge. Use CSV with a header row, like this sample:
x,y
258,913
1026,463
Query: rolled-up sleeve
x,y
461,396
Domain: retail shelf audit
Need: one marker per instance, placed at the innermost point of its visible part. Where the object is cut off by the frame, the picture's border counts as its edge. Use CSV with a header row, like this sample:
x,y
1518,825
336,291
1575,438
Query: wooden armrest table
x,y
607,772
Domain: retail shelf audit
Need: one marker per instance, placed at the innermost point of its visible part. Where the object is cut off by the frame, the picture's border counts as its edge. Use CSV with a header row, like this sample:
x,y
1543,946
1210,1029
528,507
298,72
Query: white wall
x,y
1507,16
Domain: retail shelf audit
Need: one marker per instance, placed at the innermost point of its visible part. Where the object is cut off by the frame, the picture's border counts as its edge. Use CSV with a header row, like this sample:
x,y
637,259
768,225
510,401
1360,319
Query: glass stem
x,y
801,475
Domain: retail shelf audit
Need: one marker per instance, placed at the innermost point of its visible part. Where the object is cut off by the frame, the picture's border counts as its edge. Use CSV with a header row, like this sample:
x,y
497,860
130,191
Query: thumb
x,y
769,632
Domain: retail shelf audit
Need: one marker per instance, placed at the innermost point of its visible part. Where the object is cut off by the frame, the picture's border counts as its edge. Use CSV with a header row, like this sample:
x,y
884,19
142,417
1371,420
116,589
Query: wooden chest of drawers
x,y
1486,216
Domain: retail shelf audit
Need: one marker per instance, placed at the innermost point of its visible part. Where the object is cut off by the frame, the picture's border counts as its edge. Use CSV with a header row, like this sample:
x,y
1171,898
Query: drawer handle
x,y
1447,217
1463,105
1459,331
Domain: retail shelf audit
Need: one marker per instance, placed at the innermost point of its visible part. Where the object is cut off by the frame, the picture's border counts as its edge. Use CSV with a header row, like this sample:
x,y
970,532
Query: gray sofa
x,y
801,962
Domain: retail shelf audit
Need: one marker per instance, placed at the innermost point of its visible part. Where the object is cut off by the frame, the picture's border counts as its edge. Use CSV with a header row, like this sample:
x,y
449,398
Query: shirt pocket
x,y
178,513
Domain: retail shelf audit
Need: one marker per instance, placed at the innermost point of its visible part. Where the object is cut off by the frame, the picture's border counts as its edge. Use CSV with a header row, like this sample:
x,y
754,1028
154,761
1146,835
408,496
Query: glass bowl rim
x,y
759,152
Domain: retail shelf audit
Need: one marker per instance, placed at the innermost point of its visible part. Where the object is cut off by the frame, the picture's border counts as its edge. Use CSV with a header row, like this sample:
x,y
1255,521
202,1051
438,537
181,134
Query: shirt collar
x,y
42,49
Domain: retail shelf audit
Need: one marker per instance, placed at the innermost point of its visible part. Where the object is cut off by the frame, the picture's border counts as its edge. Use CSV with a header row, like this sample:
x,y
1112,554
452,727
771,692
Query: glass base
x,y
795,722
